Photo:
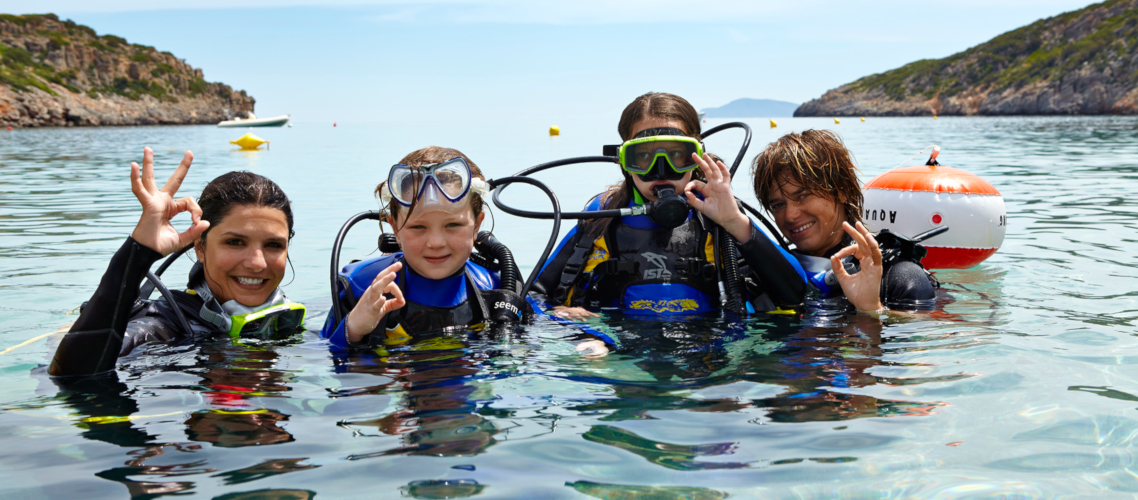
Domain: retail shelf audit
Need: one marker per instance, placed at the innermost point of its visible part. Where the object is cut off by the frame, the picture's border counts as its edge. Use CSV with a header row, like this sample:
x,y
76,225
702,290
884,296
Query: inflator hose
x,y
148,287
157,282
336,312
732,282
497,185
487,244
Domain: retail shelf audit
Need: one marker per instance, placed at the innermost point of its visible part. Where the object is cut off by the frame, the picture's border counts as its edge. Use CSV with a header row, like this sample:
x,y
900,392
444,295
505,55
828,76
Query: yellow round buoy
x,y
934,117
863,118
836,120
249,141
555,130
773,123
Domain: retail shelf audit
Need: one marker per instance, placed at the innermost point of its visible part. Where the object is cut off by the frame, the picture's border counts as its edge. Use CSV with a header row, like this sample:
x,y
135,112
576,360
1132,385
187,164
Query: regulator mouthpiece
x,y
670,209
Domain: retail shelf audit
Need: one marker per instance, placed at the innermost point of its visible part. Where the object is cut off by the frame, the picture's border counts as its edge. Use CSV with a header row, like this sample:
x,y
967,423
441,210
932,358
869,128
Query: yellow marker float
x,y
555,130
836,120
773,123
863,118
249,141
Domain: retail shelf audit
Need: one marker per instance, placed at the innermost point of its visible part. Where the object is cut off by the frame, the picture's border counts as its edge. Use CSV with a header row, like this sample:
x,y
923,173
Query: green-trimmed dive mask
x,y
660,154
438,186
278,317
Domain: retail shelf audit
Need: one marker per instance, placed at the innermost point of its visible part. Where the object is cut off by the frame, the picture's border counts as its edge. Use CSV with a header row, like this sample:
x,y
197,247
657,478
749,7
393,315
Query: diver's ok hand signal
x,y
863,288
374,305
159,206
718,201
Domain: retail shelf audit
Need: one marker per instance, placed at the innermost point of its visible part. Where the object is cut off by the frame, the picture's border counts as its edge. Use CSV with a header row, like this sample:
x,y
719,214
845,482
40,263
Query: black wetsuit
x,y
905,285
115,321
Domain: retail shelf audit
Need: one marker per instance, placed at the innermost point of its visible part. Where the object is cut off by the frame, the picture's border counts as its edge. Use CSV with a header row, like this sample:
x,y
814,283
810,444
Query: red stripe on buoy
x,y
936,179
955,258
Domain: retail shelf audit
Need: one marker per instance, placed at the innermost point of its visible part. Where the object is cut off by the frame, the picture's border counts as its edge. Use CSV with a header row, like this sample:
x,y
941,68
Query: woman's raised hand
x,y
862,289
374,305
718,201
159,206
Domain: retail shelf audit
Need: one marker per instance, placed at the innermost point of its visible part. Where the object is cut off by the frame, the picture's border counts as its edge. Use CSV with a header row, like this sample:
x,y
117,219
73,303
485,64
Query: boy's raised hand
x,y
374,305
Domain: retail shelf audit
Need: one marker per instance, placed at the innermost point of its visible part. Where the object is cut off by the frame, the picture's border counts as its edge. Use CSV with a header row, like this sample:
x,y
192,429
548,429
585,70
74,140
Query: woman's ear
x,y
199,250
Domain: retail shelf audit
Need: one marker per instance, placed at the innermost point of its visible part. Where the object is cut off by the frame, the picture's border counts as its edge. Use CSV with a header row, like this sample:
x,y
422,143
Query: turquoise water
x,y
1021,386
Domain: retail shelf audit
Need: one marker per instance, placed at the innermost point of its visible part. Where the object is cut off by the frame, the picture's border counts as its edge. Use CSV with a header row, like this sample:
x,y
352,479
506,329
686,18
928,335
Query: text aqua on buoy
x,y
249,141
555,130
912,200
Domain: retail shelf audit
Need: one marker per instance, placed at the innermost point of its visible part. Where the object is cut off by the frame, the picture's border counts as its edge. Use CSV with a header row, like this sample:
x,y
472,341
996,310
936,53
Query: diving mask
x,y
660,154
276,317
440,186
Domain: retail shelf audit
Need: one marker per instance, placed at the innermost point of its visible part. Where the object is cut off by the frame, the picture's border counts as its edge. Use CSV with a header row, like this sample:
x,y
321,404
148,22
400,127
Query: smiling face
x,y
437,244
244,255
644,186
812,222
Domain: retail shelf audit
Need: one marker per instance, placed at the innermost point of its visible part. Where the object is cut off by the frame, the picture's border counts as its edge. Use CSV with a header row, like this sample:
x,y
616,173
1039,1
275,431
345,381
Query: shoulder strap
x,y
573,267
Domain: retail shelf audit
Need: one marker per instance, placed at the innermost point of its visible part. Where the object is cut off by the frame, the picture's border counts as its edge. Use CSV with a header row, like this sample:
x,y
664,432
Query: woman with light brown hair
x,y
809,183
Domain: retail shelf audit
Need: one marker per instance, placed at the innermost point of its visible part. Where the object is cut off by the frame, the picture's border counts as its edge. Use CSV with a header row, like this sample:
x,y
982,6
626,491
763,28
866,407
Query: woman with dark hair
x,y
636,265
240,231
809,183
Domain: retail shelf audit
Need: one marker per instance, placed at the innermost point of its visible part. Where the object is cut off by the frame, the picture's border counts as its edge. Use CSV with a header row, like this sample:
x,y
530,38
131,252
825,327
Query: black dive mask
x,y
670,209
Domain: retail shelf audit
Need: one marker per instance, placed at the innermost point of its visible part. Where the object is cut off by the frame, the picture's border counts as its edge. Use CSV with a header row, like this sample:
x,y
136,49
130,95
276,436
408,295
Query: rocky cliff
x,y
59,73
1081,62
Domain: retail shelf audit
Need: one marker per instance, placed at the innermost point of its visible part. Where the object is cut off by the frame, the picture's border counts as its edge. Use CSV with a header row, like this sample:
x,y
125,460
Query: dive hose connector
x,y
670,209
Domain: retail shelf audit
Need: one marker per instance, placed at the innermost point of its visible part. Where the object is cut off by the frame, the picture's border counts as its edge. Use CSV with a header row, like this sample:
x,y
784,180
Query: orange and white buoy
x,y
911,200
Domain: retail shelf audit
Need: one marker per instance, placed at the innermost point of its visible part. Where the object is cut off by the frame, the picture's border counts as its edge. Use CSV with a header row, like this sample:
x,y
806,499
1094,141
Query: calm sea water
x,y
1021,386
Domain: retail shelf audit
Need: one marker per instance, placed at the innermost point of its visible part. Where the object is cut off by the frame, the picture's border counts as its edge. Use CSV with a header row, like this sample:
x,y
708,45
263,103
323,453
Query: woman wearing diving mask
x,y
664,264
240,231
433,200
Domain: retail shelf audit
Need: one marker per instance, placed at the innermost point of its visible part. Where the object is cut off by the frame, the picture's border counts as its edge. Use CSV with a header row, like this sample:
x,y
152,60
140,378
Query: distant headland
x,y
752,108
58,73
1080,62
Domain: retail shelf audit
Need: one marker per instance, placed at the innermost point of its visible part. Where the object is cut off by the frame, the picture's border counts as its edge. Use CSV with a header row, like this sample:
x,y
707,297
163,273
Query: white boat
x,y
253,121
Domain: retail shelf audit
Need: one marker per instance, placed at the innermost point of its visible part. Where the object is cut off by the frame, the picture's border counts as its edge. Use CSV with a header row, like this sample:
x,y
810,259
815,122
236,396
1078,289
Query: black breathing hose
x,y
486,262
774,231
732,282
746,141
498,184
336,311
157,282
148,287
508,271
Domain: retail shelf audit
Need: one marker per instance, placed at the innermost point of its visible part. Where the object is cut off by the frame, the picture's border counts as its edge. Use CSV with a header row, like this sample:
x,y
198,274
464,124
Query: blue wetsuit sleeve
x,y
779,273
540,306
337,337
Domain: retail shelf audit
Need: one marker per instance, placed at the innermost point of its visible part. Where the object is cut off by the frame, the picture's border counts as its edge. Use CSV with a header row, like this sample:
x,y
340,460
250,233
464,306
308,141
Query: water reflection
x,y
233,379
437,377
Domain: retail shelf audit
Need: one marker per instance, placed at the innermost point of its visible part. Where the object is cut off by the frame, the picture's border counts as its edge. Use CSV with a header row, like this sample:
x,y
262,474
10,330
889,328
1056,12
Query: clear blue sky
x,y
481,61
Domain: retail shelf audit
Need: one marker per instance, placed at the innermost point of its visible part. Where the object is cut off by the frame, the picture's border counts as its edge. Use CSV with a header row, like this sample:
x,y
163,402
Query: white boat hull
x,y
276,121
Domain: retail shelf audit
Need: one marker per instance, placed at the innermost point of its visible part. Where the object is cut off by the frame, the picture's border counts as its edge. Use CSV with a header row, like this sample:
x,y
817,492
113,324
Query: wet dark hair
x,y
243,188
428,156
650,105
818,161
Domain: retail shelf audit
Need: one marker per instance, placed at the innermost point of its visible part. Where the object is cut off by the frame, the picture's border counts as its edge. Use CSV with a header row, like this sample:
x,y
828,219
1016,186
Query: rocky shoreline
x,y
59,74
1078,63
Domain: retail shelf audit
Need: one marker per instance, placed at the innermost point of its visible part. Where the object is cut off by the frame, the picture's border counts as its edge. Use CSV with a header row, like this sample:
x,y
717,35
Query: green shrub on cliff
x,y
1041,51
